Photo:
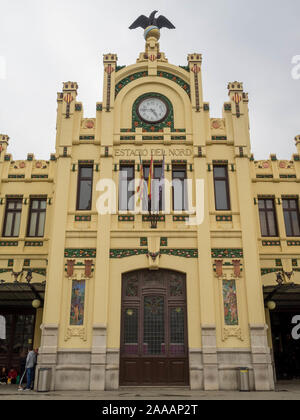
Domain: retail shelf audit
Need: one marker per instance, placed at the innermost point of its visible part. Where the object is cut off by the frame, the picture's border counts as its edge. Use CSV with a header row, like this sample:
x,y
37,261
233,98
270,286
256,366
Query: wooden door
x,y
19,336
154,347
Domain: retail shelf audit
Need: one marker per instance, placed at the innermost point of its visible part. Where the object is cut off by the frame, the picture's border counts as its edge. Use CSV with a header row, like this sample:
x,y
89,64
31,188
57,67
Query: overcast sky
x,y
46,42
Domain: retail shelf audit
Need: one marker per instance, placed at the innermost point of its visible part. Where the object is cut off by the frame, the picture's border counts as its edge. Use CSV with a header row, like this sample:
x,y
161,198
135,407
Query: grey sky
x,y
47,42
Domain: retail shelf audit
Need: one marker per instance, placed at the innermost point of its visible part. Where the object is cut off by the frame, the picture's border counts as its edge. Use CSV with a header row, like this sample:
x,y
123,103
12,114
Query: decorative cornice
x,y
33,243
80,253
271,243
123,253
82,218
227,253
9,243
126,218
223,218
293,243
180,252
146,218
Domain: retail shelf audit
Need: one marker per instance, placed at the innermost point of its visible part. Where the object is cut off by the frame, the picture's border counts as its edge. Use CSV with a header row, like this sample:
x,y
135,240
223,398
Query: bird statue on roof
x,y
151,24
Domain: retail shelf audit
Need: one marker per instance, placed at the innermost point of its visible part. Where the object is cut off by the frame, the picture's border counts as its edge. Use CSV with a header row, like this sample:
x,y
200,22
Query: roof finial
x,y
152,25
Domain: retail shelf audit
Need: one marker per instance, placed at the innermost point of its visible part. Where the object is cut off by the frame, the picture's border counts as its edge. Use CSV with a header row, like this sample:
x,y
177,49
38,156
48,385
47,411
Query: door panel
x,y
19,336
154,329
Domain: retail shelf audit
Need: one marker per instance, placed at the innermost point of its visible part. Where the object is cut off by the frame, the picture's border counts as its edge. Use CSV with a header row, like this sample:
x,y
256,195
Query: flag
x,y
162,179
140,187
150,178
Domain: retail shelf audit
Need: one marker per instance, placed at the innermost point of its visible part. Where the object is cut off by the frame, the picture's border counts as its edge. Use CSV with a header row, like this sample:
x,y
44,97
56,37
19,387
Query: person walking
x,y
30,365
36,351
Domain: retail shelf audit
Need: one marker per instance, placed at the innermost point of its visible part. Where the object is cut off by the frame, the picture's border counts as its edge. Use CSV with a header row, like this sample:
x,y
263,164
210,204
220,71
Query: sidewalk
x,y
284,391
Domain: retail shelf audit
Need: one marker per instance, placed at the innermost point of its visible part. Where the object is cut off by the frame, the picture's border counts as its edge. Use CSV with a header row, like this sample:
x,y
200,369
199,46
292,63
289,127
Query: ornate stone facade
x,y
225,251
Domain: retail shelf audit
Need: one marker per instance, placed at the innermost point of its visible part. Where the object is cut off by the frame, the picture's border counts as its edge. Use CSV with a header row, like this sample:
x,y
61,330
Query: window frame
x,y
289,211
39,210
265,210
129,179
81,178
226,179
184,202
14,211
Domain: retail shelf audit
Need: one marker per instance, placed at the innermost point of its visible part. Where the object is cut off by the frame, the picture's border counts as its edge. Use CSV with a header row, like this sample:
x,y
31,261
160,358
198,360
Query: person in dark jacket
x,y
3,376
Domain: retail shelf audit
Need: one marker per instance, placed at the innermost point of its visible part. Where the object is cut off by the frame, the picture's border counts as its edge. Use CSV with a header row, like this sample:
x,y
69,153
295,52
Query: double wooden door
x,y
154,348
19,336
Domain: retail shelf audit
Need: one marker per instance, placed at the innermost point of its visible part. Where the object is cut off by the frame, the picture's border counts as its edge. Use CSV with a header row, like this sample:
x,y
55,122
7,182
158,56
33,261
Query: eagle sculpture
x,y
144,21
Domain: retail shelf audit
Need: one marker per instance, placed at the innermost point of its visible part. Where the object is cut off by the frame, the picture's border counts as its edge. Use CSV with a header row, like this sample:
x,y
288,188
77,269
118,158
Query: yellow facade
x,y
87,356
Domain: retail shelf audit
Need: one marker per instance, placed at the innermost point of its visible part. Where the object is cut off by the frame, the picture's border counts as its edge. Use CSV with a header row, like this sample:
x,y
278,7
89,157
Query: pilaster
x,y
240,117
55,272
206,286
195,62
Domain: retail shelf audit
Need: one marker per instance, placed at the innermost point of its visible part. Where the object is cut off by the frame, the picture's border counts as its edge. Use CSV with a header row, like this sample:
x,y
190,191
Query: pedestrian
x,y
36,351
3,376
12,376
30,364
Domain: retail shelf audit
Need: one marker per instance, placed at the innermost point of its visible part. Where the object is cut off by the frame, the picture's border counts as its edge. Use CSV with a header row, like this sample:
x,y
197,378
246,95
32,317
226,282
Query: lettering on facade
x,y
153,152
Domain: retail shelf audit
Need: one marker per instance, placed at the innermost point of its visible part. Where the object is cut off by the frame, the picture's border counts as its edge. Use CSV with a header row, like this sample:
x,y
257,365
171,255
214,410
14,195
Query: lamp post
x,y
280,280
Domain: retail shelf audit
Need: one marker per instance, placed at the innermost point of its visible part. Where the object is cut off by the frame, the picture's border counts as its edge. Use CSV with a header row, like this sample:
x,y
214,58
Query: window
x,y
37,217
157,189
291,216
267,216
126,188
221,183
179,188
84,188
12,218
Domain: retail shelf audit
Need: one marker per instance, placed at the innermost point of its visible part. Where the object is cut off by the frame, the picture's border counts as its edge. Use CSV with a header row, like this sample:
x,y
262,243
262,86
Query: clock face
x,y
152,110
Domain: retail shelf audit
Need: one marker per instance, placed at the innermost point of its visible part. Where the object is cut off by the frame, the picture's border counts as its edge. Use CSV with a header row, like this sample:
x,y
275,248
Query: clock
x,y
152,109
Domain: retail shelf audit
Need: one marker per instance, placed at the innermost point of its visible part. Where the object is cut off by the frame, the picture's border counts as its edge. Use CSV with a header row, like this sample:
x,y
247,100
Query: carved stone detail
x,y
232,332
76,332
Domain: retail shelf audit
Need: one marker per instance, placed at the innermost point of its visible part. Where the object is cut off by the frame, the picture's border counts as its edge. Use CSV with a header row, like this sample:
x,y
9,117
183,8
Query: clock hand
x,y
153,112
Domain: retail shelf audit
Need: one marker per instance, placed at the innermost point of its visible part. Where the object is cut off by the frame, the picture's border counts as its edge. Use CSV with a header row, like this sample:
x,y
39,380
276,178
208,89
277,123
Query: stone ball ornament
x,y
152,31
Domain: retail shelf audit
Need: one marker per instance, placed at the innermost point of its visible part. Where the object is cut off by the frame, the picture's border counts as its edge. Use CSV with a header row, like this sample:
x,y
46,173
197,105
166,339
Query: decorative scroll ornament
x,y
76,332
235,332
88,268
70,267
219,268
237,268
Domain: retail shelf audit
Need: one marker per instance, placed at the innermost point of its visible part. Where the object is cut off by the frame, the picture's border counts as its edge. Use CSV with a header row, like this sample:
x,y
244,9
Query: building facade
x,y
137,297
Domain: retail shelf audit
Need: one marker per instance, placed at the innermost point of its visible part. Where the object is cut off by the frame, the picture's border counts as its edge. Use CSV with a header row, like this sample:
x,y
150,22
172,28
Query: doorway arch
x,y
154,347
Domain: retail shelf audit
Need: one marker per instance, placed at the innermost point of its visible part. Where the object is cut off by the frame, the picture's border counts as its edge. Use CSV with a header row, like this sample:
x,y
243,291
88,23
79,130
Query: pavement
x,y
285,390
